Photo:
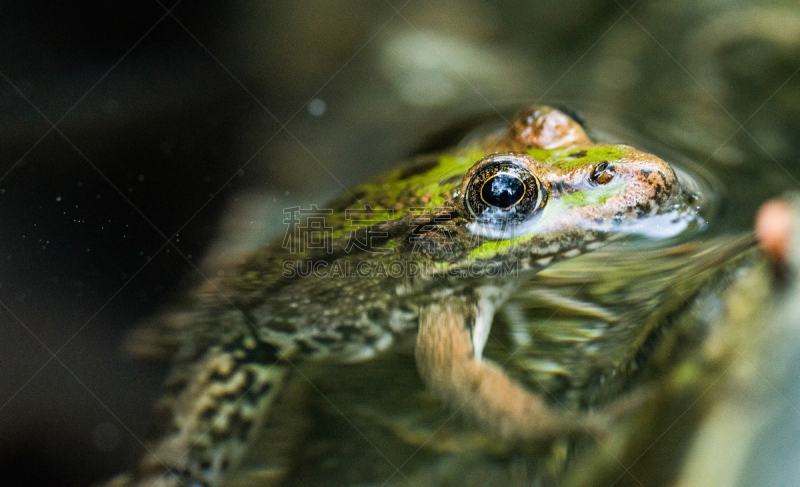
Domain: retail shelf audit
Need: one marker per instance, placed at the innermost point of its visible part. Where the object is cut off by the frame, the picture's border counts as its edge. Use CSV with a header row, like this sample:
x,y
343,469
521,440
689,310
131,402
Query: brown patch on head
x,y
544,128
651,181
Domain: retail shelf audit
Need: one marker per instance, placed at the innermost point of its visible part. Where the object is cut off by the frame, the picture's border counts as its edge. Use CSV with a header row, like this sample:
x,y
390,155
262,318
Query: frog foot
x,y
481,390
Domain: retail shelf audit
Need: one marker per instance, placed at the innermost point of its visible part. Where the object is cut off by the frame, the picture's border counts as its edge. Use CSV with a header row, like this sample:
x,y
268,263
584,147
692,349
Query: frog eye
x,y
503,189
602,173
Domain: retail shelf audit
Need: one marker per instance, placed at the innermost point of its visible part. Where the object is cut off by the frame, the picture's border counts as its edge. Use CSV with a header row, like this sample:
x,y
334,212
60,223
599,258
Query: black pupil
x,y
502,191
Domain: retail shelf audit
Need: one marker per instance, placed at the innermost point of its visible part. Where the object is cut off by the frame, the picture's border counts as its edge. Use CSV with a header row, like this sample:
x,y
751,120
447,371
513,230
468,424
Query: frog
x,y
423,259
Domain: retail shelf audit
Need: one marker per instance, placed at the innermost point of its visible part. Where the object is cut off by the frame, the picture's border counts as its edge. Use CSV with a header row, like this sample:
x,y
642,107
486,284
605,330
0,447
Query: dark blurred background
x,y
196,122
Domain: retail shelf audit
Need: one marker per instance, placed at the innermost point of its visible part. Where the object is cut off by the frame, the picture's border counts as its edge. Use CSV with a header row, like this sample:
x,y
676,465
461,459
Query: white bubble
x,y
317,107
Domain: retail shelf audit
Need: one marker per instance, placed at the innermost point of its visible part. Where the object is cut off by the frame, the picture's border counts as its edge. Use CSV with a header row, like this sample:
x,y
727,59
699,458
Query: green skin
x,y
241,336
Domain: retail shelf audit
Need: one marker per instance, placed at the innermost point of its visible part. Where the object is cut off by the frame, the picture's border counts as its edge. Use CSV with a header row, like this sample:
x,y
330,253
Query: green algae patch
x,y
595,196
567,158
546,156
423,184
490,248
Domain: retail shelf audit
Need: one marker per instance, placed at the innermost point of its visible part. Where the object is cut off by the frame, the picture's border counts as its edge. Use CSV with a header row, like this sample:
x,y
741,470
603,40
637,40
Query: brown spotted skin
x,y
651,182
238,339
542,127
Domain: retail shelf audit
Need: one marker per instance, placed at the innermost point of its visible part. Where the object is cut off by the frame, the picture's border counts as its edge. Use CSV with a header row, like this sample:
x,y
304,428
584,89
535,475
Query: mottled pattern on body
x,y
238,338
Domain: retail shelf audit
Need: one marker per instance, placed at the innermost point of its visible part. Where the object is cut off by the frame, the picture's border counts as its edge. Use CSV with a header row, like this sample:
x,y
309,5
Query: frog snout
x,y
658,183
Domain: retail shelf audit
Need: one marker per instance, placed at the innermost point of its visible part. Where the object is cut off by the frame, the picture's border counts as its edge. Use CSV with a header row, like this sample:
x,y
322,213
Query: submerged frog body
x,y
422,258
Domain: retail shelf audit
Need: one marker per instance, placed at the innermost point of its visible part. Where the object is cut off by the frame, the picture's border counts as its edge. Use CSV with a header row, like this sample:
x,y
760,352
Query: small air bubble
x,y
317,107
58,198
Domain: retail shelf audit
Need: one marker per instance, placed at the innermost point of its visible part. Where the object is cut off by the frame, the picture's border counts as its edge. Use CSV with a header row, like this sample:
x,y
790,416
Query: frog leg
x,y
212,413
448,359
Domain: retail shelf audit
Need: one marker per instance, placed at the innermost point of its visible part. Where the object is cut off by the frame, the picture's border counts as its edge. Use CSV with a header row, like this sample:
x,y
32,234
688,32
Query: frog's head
x,y
541,188
596,188
544,188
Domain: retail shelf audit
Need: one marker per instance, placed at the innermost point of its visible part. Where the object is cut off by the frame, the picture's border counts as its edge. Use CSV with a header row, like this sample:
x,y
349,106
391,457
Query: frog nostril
x,y
602,173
